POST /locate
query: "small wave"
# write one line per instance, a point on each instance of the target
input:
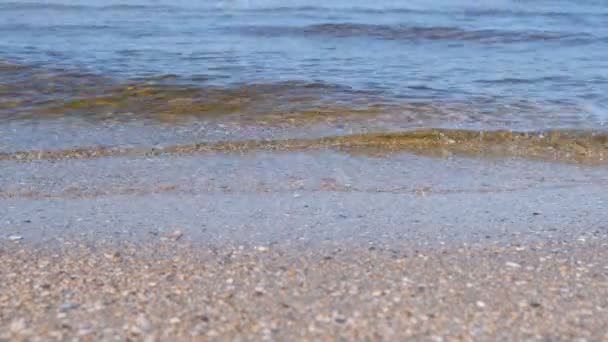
(128, 7)
(42, 93)
(517, 80)
(403, 32)
(466, 11)
(18, 6)
(70, 28)
(46, 6)
(586, 147)
(469, 12)
(522, 13)
(38, 94)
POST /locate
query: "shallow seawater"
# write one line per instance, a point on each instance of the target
(81, 73)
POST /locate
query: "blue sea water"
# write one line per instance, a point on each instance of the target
(535, 64)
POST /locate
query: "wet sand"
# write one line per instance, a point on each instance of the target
(302, 245)
(301, 198)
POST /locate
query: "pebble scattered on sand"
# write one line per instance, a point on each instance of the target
(512, 264)
(15, 237)
(168, 290)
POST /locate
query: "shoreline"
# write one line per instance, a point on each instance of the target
(569, 146)
(309, 245)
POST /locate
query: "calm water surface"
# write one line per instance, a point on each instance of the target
(531, 65)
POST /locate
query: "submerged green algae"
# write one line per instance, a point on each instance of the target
(560, 146)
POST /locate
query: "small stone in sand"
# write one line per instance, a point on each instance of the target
(175, 235)
(68, 306)
(512, 264)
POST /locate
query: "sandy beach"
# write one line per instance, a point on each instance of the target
(317, 245)
(303, 170)
(174, 291)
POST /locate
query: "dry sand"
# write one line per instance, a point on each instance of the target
(169, 290)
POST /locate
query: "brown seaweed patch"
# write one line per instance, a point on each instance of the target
(327, 114)
(561, 146)
(248, 104)
(54, 93)
(154, 102)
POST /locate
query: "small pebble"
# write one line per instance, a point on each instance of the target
(176, 235)
(68, 306)
(15, 237)
(259, 291)
(512, 264)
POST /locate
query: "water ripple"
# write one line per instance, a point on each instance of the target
(404, 32)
